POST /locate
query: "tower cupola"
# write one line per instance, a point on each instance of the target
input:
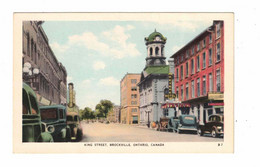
(155, 49)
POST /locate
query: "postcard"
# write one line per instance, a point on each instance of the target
(123, 83)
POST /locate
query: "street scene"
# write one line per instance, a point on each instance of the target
(123, 81)
(98, 132)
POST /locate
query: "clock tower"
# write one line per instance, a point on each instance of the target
(155, 49)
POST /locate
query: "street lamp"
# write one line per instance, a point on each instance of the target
(148, 118)
(29, 72)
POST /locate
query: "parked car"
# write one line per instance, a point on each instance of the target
(54, 118)
(183, 123)
(214, 126)
(173, 124)
(163, 124)
(73, 122)
(33, 130)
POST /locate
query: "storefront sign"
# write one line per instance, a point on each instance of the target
(216, 96)
(216, 104)
(173, 105)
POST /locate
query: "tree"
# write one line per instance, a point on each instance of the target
(85, 113)
(104, 107)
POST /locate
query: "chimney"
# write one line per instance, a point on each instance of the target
(71, 95)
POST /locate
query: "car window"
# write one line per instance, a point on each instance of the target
(33, 104)
(49, 114)
(188, 120)
(61, 113)
(26, 107)
(76, 118)
(69, 118)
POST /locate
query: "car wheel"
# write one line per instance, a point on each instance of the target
(200, 132)
(68, 135)
(214, 133)
(178, 131)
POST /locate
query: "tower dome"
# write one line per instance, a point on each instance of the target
(155, 37)
(155, 49)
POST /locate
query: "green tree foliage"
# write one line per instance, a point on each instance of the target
(103, 108)
(87, 113)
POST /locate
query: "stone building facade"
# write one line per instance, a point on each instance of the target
(129, 99)
(154, 80)
(50, 85)
(199, 73)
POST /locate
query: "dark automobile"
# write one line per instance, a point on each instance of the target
(73, 122)
(214, 126)
(54, 117)
(173, 124)
(33, 129)
(182, 123)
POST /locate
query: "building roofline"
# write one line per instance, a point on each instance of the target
(129, 74)
(207, 30)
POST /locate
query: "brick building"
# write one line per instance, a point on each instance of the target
(199, 73)
(129, 99)
(50, 83)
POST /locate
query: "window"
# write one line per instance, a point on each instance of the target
(218, 80)
(210, 57)
(181, 92)
(181, 72)
(26, 106)
(133, 81)
(192, 66)
(133, 96)
(187, 53)
(151, 51)
(198, 87)
(210, 83)
(187, 69)
(218, 52)
(198, 47)
(210, 38)
(204, 43)
(133, 102)
(177, 74)
(61, 113)
(182, 58)
(134, 109)
(166, 112)
(33, 104)
(198, 63)
(192, 89)
(192, 50)
(177, 92)
(187, 91)
(156, 51)
(178, 61)
(134, 89)
(218, 30)
(204, 60)
(204, 85)
(28, 44)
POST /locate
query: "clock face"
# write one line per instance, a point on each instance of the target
(157, 38)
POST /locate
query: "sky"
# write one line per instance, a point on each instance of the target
(98, 54)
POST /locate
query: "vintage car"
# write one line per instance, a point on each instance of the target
(183, 123)
(173, 124)
(163, 124)
(73, 122)
(54, 118)
(214, 126)
(33, 129)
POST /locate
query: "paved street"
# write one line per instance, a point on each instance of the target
(99, 132)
